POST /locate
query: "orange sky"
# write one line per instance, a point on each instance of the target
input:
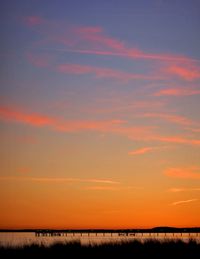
(99, 114)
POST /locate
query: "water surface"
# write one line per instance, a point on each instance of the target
(27, 238)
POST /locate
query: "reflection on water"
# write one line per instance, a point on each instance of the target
(27, 238)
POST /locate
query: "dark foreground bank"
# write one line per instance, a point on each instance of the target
(125, 249)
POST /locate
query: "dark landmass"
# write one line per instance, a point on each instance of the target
(151, 230)
(124, 249)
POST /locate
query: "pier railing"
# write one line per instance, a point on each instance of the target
(120, 233)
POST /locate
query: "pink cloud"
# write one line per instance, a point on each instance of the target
(112, 105)
(93, 40)
(119, 127)
(96, 42)
(75, 69)
(20, 116)
(139, 133)
(141, 151)
(101, 44)
(184, 173)
(58, 124)
(40, 120)
(136, 133)
(145, 150)
(131, 54)
(196, 130)
(177, 92)
(189, 73)
(178, 140)
(83, 125)
(102, 72)
(169, 117)
(96, 35)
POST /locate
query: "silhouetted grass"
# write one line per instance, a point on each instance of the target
(123, 249)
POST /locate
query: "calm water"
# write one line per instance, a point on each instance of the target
(20, 239)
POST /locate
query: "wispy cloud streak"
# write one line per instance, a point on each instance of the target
(183, 202)
(58, 180)
(141, 151)
(93, 40)
(119, 127)
(184, 173)
(99, 72)
(178, 140)
(129, 53)
(177, 92)
(184, 189)
(113, 126)
(112, 188)
(189, 72)
(20, 116)
(169, 117)
(102, 188)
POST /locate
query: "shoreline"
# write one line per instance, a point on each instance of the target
(121, 230)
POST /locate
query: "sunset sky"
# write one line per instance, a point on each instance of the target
(99, 113)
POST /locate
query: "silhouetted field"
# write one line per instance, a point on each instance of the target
(123, 249)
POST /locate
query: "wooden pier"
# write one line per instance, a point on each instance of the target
(139, 233)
